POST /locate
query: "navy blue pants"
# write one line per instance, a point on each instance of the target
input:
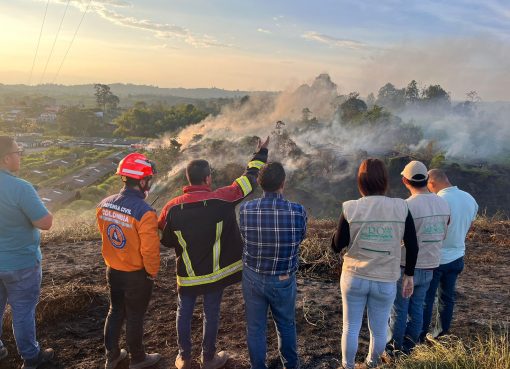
(443, 283)
(211, 322)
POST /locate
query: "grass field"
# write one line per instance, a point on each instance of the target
(74, 303)
(49, 166)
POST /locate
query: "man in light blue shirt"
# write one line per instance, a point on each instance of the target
(22, 214)
(463, 208)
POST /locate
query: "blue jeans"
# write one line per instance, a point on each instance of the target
(406, 319)
(21, 289)
(378, 297)
(443, 282)
(185, 307)
(263, 292)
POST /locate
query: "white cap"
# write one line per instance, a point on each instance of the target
(415, 171)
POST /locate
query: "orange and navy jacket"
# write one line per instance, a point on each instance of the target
(202, 226)
(129, 231)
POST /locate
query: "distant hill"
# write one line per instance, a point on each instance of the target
(124, 90)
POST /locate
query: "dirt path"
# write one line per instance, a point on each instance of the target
(74, 305)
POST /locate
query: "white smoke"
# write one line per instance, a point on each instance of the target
(483, 134)
(321, 142)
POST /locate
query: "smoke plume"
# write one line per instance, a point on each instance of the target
(313, 138)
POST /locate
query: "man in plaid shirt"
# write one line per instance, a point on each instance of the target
(272, 229)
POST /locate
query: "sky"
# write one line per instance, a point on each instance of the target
(462, 45)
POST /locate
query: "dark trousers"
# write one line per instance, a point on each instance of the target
(130, 293)
(443, 283)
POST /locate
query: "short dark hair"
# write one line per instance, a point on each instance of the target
(418, 184)
(372, 177)
(131, 182)
(197, 171)
(6, 144)
(271, 176)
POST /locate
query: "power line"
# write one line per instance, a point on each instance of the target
(54, 42)
(38, 42)
(72, 40)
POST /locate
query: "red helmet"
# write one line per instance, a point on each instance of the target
(136, 166)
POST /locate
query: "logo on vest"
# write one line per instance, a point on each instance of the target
(116, 236)
(376, 233)
(434, 228)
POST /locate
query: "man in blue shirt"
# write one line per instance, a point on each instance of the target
(272, 229)
(463, 209)
(22, 214)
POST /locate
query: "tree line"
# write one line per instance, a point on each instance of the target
(142, 120)
(107, 119)
(153, 120)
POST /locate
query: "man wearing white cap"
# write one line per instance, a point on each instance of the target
(463, 208)
(431, 215)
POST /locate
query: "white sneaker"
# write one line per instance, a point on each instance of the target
(150, 360)
(111, 364)
(218, 361)
(431, 337)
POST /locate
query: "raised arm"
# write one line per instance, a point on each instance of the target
(247, 182)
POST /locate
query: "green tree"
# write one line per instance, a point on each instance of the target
(153, 120)
(377, 115)
(437, 161)
(352, 107)
(412, 93)
(391, 97)
(469, 106)
(473, 97)
(74, 121)
(140, 105)
(370, 100)
(105, 98)
(435, 94)
(112, 101)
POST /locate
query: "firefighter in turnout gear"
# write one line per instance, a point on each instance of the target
(201, 225)
(130, 248)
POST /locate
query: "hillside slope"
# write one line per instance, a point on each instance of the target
(74, 301)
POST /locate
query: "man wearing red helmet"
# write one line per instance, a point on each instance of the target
(130, 248)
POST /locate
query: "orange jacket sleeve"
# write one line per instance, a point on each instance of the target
(149, 242)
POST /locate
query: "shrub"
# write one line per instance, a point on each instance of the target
(93, 194)
(449, 352)
(437, 161)
(81, 205)
(71, 226)
(104, 187)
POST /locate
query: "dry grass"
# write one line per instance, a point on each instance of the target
(488, 240)
(449, 352)
(491, 230)
(71, 231)
(316, 256)
(62, 302)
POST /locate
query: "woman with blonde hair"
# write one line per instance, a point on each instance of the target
(372, 228)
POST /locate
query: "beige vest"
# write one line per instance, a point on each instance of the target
(376, 226)
(430, 213)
